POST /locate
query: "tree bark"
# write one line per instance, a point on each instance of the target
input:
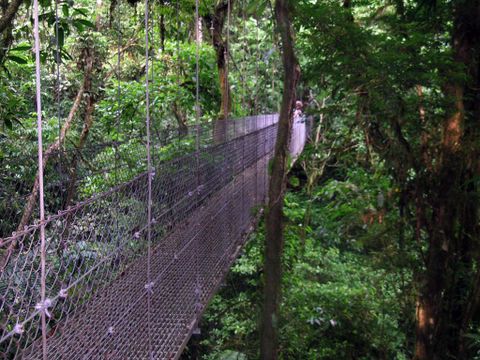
(181, 119)
(217, 22)
(9, 14)
(273, 218)
(6, 36)
(87, 125)
(446, 300)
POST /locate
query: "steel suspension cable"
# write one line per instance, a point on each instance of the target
(43, 305)
(243, 98)
(257, 89)
(227, 63)
(119, 94)
(197, 70)
(149, 284)
(273, 58)
(152, 81)
(244, 60)
(178, 92)
(197, 149)
(58, 92)
(177, 7)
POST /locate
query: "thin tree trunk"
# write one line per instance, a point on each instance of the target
(162, 32)
(181, 119)
(161, 26)
(91, 99)
(33, 197)
(9, 14)
(88, 122)
(274, 227)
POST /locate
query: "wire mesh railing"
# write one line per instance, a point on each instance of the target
(74, 174)
(96, 262)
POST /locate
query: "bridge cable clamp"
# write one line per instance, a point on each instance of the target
(43, 306)
(63, 293)
(18, 329)
(149, 287)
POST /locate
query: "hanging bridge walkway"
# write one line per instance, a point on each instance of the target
(110, 292)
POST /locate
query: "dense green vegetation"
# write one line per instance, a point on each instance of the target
(111, 94)
(345, 291)
(382, 233)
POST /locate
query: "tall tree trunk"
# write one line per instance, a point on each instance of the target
(161, 26)
(274, 227)
(446, 301)
(217, 22)
(221, 51)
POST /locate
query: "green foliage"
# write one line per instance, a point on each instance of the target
(337, 302)
(349, 256)
(102, 30)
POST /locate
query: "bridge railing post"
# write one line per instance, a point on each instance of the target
(265, 159)
(243, 173)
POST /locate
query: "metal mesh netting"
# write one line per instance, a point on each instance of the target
(96, 167)
(100, 301)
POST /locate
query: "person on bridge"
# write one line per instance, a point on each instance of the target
(298, 113)
(298, 138)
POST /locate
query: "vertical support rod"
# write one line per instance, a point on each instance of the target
(149, 285)
(245, 47)
(257, 88)
(58, 99)
(178, 94)
(119, 94)
(257, 136)
(152, 70)
(243, 174)
(234, 220)
(266, 159)
(197, 150)
(40, 180)
(227, 67)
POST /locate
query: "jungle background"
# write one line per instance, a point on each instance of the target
(381, 214)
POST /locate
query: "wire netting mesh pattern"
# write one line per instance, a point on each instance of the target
(95, 165)
(96, 253)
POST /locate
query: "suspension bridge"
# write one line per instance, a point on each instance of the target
(110, 293)
(126, 272)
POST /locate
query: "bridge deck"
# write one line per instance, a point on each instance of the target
(98, 272)
(114, 324)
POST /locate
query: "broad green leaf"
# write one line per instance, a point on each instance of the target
(81, 11)
(66, 10)
(21, 48)
(17, 59)
(61, 37)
